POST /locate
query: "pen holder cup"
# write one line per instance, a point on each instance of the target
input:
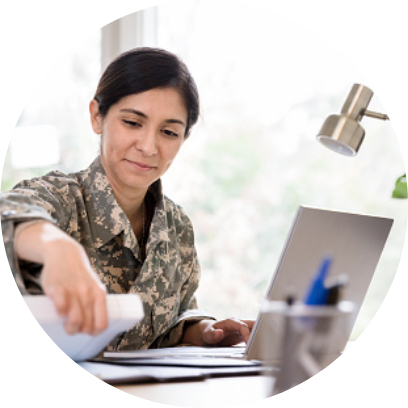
(303, 340)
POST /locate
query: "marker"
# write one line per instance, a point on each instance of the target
(290, 300)
(318, 294)
(335, 290)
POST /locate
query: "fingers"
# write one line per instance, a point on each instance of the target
(85, 312)
(86, 300)
(74, 322)
(91, 306)
(67, 306)
(234, 326)
(212, 336)
(77, 292)
(88, 314)
(228, 332)
(100, 313)
(60, 299)
(249, 323)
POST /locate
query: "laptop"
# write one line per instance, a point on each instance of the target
(354, 242)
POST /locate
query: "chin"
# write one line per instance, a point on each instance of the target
(138, 184)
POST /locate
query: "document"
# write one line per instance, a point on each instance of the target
(179, 351)
(124, 311)
(182, 356)
(113, 373)
(185, 361)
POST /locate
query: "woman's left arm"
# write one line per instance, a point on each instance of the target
(187, 307)
(194, 326)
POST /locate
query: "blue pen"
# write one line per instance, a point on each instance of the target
(318, 293)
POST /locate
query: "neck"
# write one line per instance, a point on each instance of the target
(131, 204)
(129, 199)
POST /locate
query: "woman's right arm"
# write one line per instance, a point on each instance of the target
(67, 276)
(35, 216)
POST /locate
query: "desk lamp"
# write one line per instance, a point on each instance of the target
(343, 133)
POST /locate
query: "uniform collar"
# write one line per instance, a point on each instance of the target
(108, 219)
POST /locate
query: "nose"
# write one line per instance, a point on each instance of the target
(146, 143)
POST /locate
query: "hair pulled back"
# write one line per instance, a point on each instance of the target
(143, 69)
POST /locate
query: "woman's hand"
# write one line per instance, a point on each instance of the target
(67, 276)
(226, 332)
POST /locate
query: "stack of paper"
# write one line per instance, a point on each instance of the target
(124, 311)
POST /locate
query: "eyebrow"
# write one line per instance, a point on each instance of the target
(143, 115)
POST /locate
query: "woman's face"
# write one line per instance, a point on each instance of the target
(140, 136)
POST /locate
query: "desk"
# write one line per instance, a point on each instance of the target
(385, 380)
(206, 383)
(215, 392)
(351, 379)
(385, 377)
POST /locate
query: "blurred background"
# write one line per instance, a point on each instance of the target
(266, 86)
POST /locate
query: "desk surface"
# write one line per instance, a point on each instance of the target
(215, 392)
(246, 390)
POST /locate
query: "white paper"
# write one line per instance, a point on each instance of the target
(124, 311)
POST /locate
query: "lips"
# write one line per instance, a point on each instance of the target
(140, 165)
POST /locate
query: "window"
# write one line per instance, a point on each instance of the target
(266, 87)
(54, 129)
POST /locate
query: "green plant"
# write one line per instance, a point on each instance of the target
(400, 189)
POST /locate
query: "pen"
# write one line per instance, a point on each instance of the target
(290, 300)
(333, 295)
(318, 293)
(335, 290)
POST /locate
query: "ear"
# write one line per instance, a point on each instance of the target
(96, 117)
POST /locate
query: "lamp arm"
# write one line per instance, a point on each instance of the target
(375, 115)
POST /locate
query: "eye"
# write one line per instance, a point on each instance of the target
(131, 123)
(170, 133)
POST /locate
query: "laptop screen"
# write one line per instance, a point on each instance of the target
(353, 241)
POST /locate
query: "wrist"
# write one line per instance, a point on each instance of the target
(38, 240)
(26, 240)
(59, 245)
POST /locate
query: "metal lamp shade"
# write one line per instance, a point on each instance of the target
(342, 134)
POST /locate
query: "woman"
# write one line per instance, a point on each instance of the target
(109, 228)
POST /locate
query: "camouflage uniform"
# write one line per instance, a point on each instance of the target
(83, 205)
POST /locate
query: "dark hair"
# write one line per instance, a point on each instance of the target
(142, 69)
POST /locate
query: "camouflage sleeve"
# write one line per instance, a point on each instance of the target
(188, 308)
(30, 200)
